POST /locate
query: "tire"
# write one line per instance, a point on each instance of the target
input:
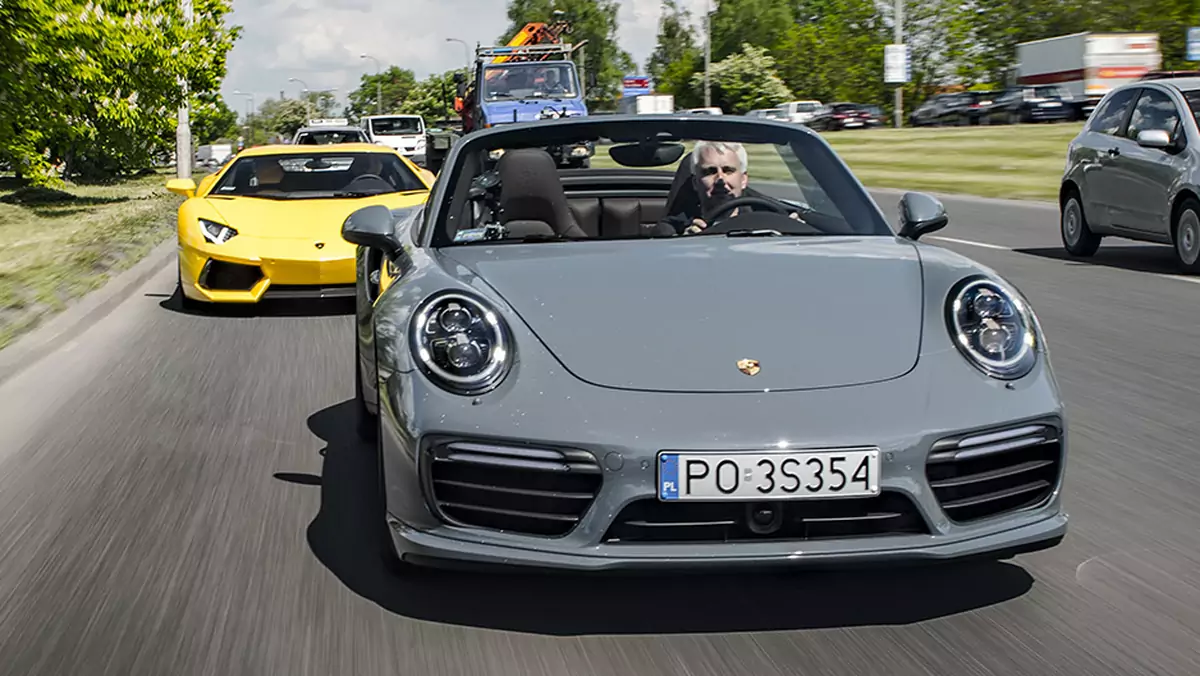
(1077, 238)
(365, 422)
(1186, 231)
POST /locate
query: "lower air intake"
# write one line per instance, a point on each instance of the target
(221, 276)
(517, 489)
(987, 474)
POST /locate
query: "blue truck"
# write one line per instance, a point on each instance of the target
(526, 83)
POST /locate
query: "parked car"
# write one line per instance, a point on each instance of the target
(1037, 103)
(1134, 171)
(969, 108)
(839, 116)
(934, 111)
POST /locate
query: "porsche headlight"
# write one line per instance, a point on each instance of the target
(216, 233)
(461, 343)
(993, 328)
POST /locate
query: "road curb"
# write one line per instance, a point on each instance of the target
(33, 346)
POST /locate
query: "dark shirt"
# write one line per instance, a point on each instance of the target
(676, 223)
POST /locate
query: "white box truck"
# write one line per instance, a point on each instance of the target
(1088, 65)
(646, 104)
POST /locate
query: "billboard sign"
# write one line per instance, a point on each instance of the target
(635, 85)
(897, 67)
(1193, 44)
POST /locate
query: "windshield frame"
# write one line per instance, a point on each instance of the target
(850, 196)
(569, 67)
(229, 172)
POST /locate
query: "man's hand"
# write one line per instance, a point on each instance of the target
(697, 225)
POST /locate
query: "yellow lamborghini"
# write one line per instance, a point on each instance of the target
(268, 223)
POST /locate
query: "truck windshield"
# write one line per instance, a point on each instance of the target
(395, 126)
(535, 80)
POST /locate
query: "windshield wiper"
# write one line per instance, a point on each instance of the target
(356, 193)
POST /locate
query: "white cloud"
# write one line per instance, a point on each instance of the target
(319, 41)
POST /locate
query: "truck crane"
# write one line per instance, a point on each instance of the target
(533, 77)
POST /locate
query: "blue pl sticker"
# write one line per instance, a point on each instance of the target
(668, 476)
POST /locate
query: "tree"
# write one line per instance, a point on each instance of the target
(591, 20)
(211, 119)
(676, 47)
(432, 98)
(745, 81)
(763, 23)
(283, 116)
(396, 83)
(96, 84)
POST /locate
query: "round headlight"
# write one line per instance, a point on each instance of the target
(461, 343)
(993, 328)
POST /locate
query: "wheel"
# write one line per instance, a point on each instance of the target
(1078, 239)
(366, 423)
(1187, 236)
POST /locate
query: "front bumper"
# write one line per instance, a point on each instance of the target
(264, 269)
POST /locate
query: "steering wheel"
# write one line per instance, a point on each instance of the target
(722, 209)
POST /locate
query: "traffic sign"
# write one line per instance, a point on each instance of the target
(897, 67)
(635, 85)
(1193, 44)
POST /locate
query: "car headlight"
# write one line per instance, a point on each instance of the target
(461, 343)
(216, 233)
(992, 327)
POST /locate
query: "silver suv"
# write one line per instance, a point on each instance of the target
(1134, 171)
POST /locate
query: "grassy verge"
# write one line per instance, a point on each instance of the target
(1016, 162)
(58, 245)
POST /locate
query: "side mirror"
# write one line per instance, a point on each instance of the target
(372, 227)
(182, 186)
(459, 78)
(921, 214)
(1154, 138)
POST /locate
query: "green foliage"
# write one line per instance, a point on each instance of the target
(284, 116)
(763, 23)
(742, 82)
(432, 98)
(96, 84)
(591, 20)
(676, 56)
(211, 119)
(393, 86)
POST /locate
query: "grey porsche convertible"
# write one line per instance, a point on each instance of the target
(709, 349)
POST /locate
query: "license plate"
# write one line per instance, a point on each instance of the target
(854, 124)
(1055, 104)
(791, 475)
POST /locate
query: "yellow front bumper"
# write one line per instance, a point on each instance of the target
(246, 272)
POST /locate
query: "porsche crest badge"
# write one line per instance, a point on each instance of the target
(749, 366)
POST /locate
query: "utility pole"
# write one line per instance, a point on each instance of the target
(708, 50)
(899, 38)
(183, 129)
(378, 84)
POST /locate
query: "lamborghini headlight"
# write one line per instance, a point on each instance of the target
(461, 343)
(993, 328)
(216, 233)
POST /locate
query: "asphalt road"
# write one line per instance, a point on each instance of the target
(184, 495)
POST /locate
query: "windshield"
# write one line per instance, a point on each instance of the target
(395, 126)
(1045, 92)
(536, 80)
(327, 136)
(524, 192)
(317, 175)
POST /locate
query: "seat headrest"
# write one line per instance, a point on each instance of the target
(531, 190)
(683, 197)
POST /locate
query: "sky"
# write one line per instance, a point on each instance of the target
(320, 41)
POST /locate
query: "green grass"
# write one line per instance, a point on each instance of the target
(1016, 162)
(58, 245)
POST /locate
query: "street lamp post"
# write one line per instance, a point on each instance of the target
(183, 128)
(707, 50)
(249, 115)
(304, 91)
(378, 84)
(899, 39)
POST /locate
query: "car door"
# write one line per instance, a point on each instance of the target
(1095, 151)
(1144, 176)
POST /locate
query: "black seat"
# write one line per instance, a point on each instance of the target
(531, 193)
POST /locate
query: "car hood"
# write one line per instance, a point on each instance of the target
(672, 316)
(300, 218)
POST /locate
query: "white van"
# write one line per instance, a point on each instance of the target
(405, 133)
(800, 112)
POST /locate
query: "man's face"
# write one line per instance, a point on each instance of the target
(723, 166)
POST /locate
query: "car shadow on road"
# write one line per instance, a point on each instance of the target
(289, 307)
(345, 537)
(1158, 259)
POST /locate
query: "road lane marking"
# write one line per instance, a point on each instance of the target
(970, 243)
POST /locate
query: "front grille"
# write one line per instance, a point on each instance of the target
(520, 489)
(986, 474)
(652, 520)
(221, 276)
